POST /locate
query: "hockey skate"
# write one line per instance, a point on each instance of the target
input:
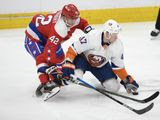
(47, 90)
(39, 90)
(155, 34)
(50, 90)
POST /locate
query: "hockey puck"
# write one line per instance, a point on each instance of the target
(135, 93)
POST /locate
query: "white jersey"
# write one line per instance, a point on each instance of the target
(91, 45)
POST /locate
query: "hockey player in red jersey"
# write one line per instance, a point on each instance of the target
(44, 36)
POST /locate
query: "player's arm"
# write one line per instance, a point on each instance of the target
(127, 80)
(117, 60)
(118, 68)
(76, 48)
(30, 30)
(84, 26)
(35, 30)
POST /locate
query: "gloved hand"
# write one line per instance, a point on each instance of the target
(68, 69)
(55, 74)
(54, 70)
(130, 85)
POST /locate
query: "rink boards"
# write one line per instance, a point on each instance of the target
(99, 16)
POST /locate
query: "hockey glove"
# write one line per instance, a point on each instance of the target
(55, 74)
(68, 69)
(54, 70)
(130, 85)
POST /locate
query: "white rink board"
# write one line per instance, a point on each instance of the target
(25, 6)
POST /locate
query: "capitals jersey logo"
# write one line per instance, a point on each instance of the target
(96, 60)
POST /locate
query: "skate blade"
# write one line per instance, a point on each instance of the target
(50, 94)
(156, 38)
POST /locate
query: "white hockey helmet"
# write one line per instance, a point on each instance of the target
(111, 26)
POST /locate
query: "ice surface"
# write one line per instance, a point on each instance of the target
(18, 81)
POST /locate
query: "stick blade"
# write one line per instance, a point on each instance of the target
(144, 110)
(151, 97)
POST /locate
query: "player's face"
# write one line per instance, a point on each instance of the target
(110, 38)
(113, 37)
(70, 22)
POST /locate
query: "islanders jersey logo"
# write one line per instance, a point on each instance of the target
(96, 60)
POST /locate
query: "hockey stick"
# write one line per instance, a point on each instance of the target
(148, 99)
(77, 80)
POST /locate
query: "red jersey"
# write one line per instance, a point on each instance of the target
(51, 30)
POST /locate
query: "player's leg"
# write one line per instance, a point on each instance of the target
(81, 66)
(111, 84)
(48, 76)
(48, 83)
(33, 48)
(156, 31)
(107, 78)
(79, 73)
(46, 88)
(157, 26)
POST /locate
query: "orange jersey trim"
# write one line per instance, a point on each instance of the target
(121, 73)
(71, 54)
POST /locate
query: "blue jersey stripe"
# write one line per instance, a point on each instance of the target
(42, 69)
(34, 28)
(59, 51)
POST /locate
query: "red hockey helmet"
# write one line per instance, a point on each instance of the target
(70, 11)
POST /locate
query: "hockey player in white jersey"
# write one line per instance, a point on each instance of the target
(101, 53)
